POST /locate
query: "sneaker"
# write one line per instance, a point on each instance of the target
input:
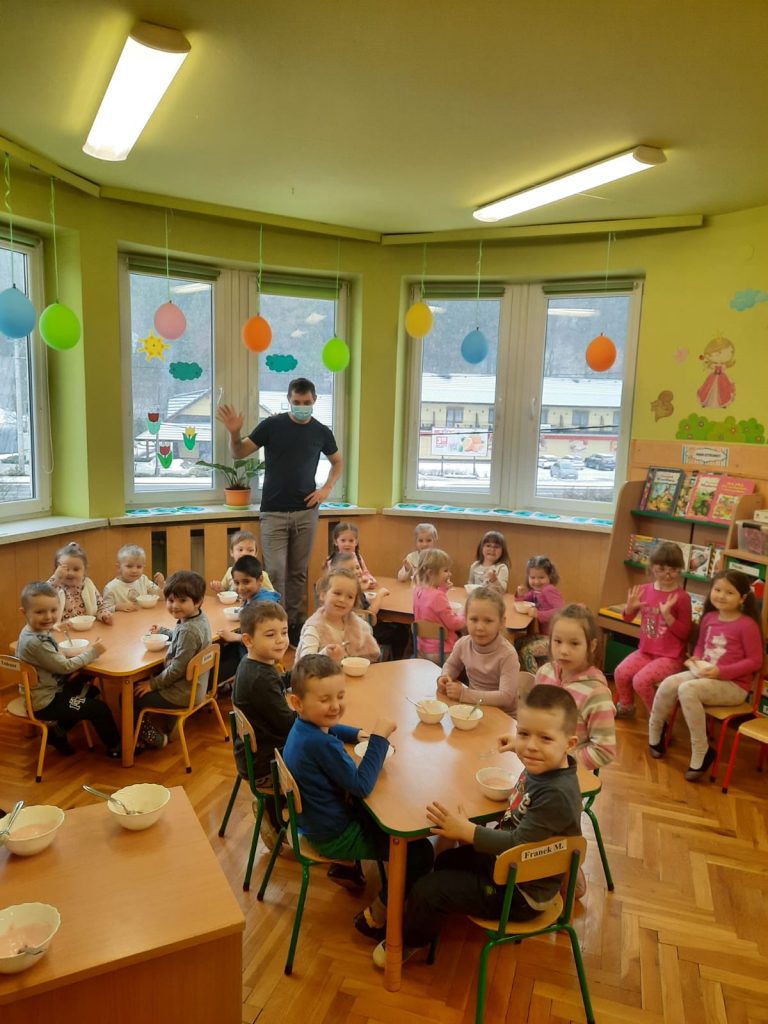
(694, 774)
(659, 749)
(268, 832)
(625, 710)
(150, 736)
(380, 954)
(366, 925)
(581, 886)
(348, 876)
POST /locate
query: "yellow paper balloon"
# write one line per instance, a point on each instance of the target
(418, 320)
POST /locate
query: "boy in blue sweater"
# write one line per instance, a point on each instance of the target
(327, 776)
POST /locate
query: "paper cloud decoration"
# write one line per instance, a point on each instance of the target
(747, 299)
(281, 364)
(185, 371)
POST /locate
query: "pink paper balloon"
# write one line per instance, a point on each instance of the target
(170, 322)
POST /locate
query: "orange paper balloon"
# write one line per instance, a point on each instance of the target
(601, 354)
(257, 334)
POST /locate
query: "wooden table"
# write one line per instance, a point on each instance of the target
(150, 929)
(398, 605)
(431, 762)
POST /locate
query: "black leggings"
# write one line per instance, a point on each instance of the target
(79, 701)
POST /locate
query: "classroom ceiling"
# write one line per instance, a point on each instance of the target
(403, 115)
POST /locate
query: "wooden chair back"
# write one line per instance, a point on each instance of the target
(205, 663)
(539, 860)
(366, 616)
(526, 682)
(288, 786)
(24, 675)
(242, 729)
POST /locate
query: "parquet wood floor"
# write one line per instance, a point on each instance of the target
(682, 940)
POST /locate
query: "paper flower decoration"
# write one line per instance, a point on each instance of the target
(165, 455)
(189, 438)
(153, 422)
(153, 347)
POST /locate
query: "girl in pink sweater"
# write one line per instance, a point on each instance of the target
(431, 604)
(665, 625)
(335, 629)
(541, 592)
(487, 657)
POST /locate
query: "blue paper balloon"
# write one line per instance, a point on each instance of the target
(17, 314)
(474, 348)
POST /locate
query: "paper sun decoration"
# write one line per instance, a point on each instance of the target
(153, 347)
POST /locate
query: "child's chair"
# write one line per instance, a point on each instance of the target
(755, 728)
(25, 675)
(303, 851)
(589, 787)
(206, 661)
(424, 630)
(240, 726)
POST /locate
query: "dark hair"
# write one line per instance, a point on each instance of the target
(741, 582)
(240, 535)
(38, 589)
(312, 666)
(300, 386)
(487, 594)
(185, 584)
(72, 550)
(585, 618)
(249, 565)
(256, 612)
(325, 581)
(340, 528)
(496, 538)
(553, 698)
(546, 565)
(667, 553)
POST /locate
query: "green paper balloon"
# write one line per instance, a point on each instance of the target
(336, 355)
(59, 327)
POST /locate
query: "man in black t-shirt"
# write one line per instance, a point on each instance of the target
(293, 442)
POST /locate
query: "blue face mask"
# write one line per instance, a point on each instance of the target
(301, 412)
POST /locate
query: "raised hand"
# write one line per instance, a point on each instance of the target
(666, 606)
(231, 419)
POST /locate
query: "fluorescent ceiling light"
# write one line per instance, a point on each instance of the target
(638, 159)
(563, 311)
(150, 59)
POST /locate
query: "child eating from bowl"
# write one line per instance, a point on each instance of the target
(76, 592)
(241, 543)
(121, 592)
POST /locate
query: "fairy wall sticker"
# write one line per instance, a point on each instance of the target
(718, 390)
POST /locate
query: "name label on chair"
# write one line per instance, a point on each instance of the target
(545, 851)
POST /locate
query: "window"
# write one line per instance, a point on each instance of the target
(531, 403)
(25, 441)
(175, 386)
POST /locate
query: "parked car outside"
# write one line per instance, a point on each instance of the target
(565, 469)
(600, 460)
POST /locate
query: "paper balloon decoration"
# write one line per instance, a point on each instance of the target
(418, 320)
(600, 354)
(474, 348)
(59, 327)
(170, 322)
(17, 314)
(257, 334)
(336, 355)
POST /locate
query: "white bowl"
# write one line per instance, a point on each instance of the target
(361, 748)
(495, 783)
(524, 607)
(370, 594)
(227, 596)
(155, 641)
(33, 924)
(431, 711)
(43, 819)
(232, 613)
(147, 600)
(81, 622)
(71, 648)
(466, 716)
(147, 797)
(469, 587)
(457, 606)
(355, 666)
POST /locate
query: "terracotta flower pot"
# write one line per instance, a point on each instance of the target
(241, 497)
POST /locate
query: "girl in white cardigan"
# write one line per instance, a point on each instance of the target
(77, 593)
(335, 629)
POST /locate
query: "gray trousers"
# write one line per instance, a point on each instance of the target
(286, 541)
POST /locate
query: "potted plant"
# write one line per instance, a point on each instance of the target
(238, 476)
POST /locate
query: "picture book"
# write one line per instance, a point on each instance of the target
(686, 550)
(646, 487)
(697, 606)
(662, 496)
(729, 490)
(685, 492)
(640, 548)
(702, 495)
(699, 559)
(716, 559)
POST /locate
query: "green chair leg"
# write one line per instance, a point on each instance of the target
(254, 844)
(270, 865)
(600, 845)
(482, 982)
(230, 805)
(297, 919)
(582, 976)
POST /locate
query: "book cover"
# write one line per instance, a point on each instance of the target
(646, 487)
(640, 548)
(699, 559)
(702, 495)
(729, 490)
(715, 560)
(686, 550)
(662, 495)
(685, 492)
(697, 606)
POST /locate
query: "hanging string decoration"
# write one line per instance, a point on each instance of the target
(169, 320)
(601, 351)
(474, 347)
(256, 332)
(17, 314)
(59, 326)
(418, 318)
(336, 354)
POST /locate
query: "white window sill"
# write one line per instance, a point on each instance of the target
(520, 517)
(182, 513)
(46, 526)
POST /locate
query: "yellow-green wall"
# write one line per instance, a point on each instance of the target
(690, 275)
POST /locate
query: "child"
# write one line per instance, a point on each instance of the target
(248, 580)
(335, 629)
(337, 826)
(184, 592)
(394, 634)
(546, 802)
(541, 591)
(665, 624)
(130, 582)
(431, 604)
(57, 698)
(573, 641)
(425, 537)
(242, 543)
(491, 565)
(260, 694)
(345, 537)
(728, 652)
(487, 657)
(77, 594)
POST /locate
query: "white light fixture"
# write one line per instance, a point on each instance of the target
(638, 159)
(150, 59)
(563, 311)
